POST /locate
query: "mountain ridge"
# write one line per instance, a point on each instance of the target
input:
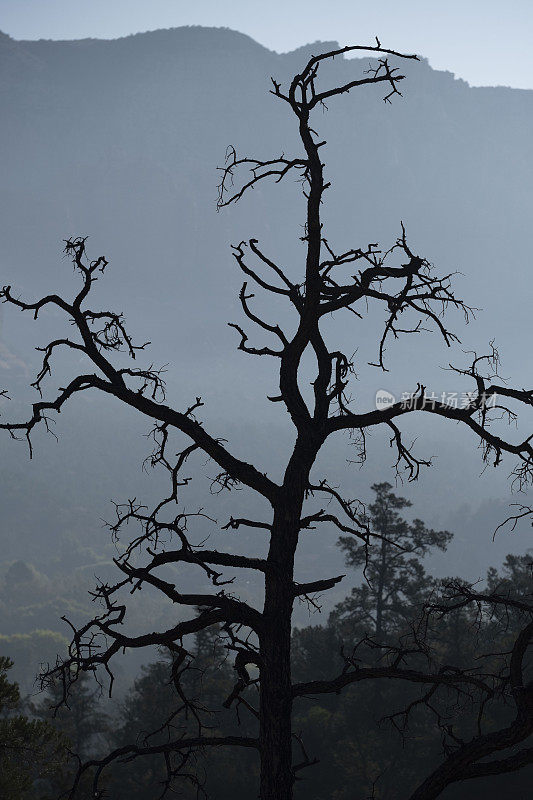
(169, 35)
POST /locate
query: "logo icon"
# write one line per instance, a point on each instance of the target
(384, 399)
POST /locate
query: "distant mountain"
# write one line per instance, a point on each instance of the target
(121, 140)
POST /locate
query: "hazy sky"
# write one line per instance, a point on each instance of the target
(487, 42)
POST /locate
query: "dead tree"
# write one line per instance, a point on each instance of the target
(405, 285)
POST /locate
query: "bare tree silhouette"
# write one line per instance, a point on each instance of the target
(405, 285)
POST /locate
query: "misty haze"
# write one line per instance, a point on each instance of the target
(137, 145)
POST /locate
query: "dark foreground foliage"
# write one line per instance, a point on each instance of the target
(377, 740)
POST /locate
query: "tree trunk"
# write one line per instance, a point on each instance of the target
(275, 707)
(379, 598)
(276, 696)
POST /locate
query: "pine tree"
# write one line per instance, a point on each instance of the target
(396, 582)
(156, 704)
(82, 721)
(30, 750)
